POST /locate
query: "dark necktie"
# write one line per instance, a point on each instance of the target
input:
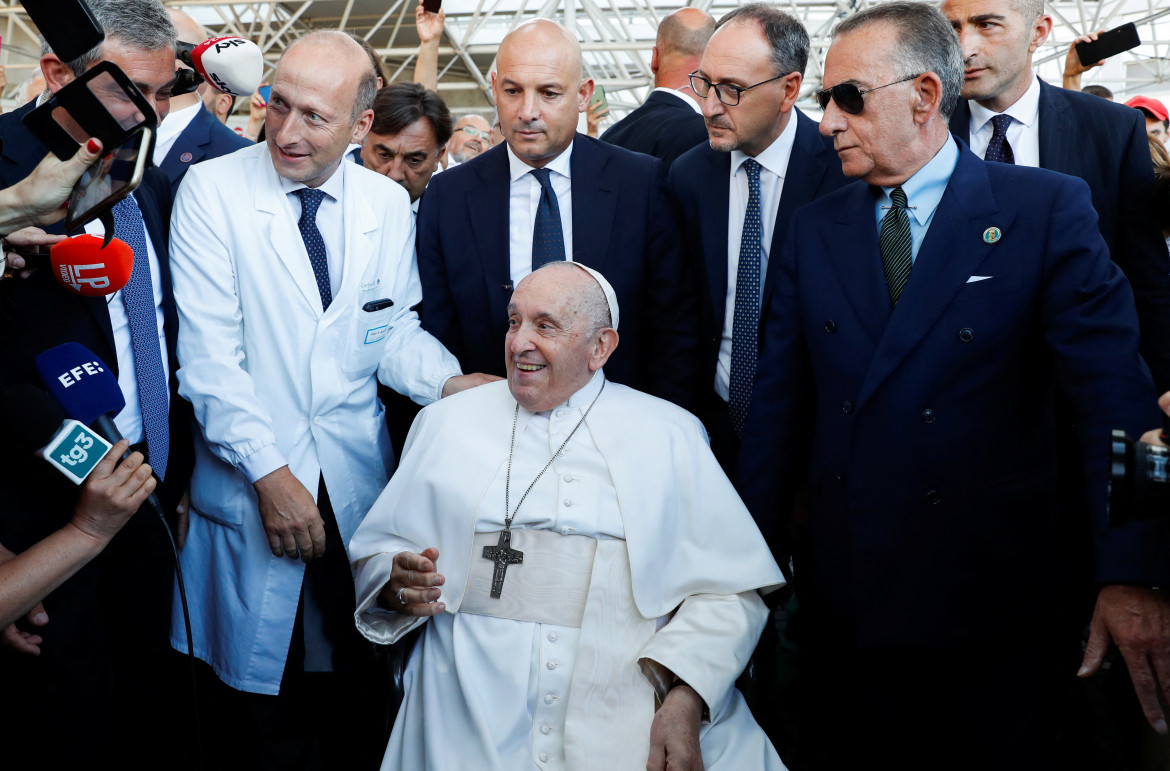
(548, 242)
(745, 325)
(314, 244)
(998, 148)
(895, 245)
(138, 298)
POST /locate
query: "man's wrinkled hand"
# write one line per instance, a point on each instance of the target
(290, 516)
(1138, 621)
(413, 588)
(462, 382)
(674, 734)
(24, 642)
(1072, 62)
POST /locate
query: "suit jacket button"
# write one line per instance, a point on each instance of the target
(966, 334)
(840, 480)
(830, 326)
(928, 415)
(933, 498)
(847, 406)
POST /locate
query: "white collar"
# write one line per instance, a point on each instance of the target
(518, 168)
(1024, 110)
(331, 187)
(685, 93)
(176, 122)
(775, 158)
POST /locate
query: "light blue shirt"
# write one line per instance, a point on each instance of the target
(923, 192)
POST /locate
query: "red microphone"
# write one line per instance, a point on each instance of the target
(81, 265)
(230, 63)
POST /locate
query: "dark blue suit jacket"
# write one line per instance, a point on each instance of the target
(664, 126)
(933, 512)
(205, 137)
(700, 180)
(1105, 144)
(624, 225)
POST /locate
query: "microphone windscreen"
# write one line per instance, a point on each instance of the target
(230, 63)
(80, 382)
(30, 415)
(81, 265)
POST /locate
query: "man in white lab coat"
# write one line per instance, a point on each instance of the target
(597, 596)
(295, 277)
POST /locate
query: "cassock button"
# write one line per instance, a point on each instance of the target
(928, 415)
(543, 757)
(830, 326)
(847, 406)
(552, 664)
(317, 421)
(568, 503)
(966, 334)
(560, 413)
(568, 477)
(546, 729)
(549, 698)
(553, 637)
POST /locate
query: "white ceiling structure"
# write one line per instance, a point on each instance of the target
(616, 35)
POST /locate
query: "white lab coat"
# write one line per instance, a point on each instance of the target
(267, 372)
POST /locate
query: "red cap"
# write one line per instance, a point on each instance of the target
(1150, 105)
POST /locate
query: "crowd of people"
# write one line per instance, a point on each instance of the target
(809, 422)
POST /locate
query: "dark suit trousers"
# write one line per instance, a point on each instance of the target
(319, 720)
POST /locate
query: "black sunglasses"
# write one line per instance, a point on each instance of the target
(849, 97)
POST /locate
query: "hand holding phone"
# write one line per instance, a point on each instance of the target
(1108, 43)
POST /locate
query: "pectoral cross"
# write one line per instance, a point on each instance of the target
(503, 555)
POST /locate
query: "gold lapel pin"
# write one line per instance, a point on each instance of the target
(991, 235)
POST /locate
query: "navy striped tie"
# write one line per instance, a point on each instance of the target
(895, 245)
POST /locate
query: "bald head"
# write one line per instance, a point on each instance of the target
(186, 28)
(465, 145)
(540, 90)
(682, 36)
(336, 52)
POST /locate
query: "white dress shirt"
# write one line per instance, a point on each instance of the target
(330, 220)
(129, 420)
(524, 197)
(174, 124)
(773, 166)
(686, 94)
(1023, 133)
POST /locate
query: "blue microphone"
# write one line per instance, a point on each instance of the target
(87, 391)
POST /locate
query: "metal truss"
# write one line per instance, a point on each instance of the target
(616, 35)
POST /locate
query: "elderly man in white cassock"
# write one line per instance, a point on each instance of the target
(589, 573)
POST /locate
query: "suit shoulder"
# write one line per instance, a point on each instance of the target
(228, 139)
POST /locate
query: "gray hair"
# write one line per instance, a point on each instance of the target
(786, 36)
(926, 43)
(678, 37)
(1029, 9)
(141, 24)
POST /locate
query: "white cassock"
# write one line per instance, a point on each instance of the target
(672, 564)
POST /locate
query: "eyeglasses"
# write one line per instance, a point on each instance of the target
(473, 131)
(726, 93)
(849, 97)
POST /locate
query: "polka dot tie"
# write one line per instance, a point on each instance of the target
(895, 245)
(745, 326)
(998, 148)
(314, 244)
(142, 314)
(548, 242)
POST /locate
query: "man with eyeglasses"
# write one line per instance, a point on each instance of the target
(921, 321)
(471, 137)
(670, 121)
(550, 194)
(737, 192)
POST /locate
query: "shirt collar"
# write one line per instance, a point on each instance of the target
(925, 189)
(176, 121)
(330, 187)
(1025, 110)
(685, 93)
(580, 400)
(775, 158)
(518, 168)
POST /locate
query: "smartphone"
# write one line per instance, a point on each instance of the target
(1109, 43)
(432, 6)
(115, 175)
(68, 25)
(599, 97)
(103, 103)
(265, 93)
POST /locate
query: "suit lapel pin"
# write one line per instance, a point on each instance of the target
(186, 157)
(991, 235)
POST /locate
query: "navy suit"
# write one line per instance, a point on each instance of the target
(205, 137)
(1105, 144)
(664, 126)
(927, 430)
(700, 180)
(124, 593)
(624, 225)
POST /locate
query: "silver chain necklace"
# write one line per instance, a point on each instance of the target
(502, 553)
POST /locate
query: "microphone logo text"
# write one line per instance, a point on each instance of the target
(77, 373)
